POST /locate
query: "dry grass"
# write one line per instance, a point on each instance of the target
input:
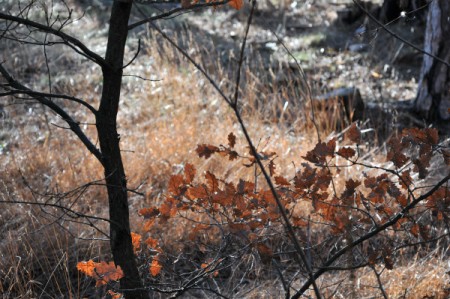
(424, 277)
(160, 124)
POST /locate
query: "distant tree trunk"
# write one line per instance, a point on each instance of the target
(433, 96)
(116, 182)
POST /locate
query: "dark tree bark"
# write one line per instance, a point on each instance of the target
(120, 237)
(433, 96)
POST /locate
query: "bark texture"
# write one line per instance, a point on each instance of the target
(121, 245)
(433, 96)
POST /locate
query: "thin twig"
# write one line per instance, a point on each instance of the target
(72, 41)
(241, 56)
(49, 95)
(58, 110)
(370, 235)
(305, 80)
(135, 55)
(380, 283)
(288, 226)
(393, 34)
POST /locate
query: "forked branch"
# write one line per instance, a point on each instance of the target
(71, 41)
(74, 125)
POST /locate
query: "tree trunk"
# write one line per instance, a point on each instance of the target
(120, 237)
(433, 96)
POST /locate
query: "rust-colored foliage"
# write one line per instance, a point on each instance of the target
(152, 243)
(236, 4)
(346, 152)
(114, 295)
(247, 209)
(205, 150)
(321, 151)
(281, 181)
(155, 267)
(102, 272)
(136, 241)
(149, 212)
(354, 134)
(189, 173)
(439, 202)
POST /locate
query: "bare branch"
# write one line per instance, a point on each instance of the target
(241, 56)
(393, 34)
(74, 126)
(370, 234)
(135, 55)
(49, 95)
(70, 40)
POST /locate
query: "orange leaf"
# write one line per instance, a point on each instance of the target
(232, 155)
(148, 224)
(196, 192)
(168, 208)
(353, 133)
(402, 200)
(321, 151)
(114, 295)
(297, 221)
(106, 272)
(175, 182)
(87, 267)
(155, 267)
(351, 184)
(206, 150)
(136, 240)
(236, 4)
(223, 198)
(323, 179)
(152, 243)
(102, 272)
(279, 180)
(189, 173)
(265, 252)
(405, 179)
(238, 227)
(212, 181)
(346, 152)
(149, 212)
(306, 178)
(245, 187)
(415, 230)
